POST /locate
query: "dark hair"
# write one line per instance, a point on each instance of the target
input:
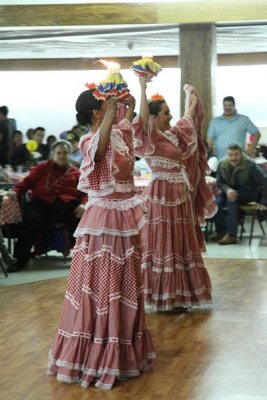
(4, 110)
(155, 106)
(39, 128)
(85, 105)
(15, 132)
(72, 136)
(234, 146)
(61, 142)
(51, 137)
(229, 98)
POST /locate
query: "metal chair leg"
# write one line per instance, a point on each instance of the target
(2, 266)
(260, 223)
(252, 228)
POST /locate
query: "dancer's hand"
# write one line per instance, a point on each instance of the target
(111, 103)
(130, 102)
(130, 111)
(143, 82)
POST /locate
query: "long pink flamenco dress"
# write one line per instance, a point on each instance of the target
(178, 201)
(102, 334)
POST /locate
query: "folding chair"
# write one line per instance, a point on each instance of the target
(250, 210)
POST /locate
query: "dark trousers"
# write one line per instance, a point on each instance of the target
(226, 221)
(37, 218)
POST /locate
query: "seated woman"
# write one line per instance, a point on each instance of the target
(54, 198)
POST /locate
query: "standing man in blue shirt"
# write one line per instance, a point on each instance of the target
(231, 127)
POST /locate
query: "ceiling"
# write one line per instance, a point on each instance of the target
(120, 41)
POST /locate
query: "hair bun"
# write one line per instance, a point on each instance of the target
(82, 118)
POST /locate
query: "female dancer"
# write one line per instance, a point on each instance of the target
(178, 200)
(102, 334)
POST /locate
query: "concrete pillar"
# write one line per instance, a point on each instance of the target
(198, 61)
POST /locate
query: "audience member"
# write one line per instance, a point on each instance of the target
(54, 198)
(79, 130)
(16, 142)
(241, 181)
(50, 140)
(231, 127)
(23, 156)
(6, 130)
(76, 154)
(29, 133)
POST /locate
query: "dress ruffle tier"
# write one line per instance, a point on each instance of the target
(173, 271)
(102, 334)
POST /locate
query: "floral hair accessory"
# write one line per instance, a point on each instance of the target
(91, 85)
(146, 67)
(156, 97)
(114, 85)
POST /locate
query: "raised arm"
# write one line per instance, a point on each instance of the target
(130, 110)
(193, 104)
(105, 128)
(144, 109)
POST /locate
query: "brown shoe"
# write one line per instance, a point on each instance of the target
(217, 236)
(228, 239)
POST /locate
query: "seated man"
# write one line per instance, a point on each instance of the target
(54, 198)
(241, 181)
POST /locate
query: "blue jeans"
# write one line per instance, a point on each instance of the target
(226, 221)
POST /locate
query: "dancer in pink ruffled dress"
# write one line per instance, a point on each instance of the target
(102, 334)
(178, 200)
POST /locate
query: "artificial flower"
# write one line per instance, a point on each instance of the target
(156, 97)
(31, 145)
(91, 85)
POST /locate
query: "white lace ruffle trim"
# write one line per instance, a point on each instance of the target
(112, 232)
(120, 205)
(99, 311)
(171, 177)
(162, 162)
(164, 202)
(171, 137)
(179, 177)
(143, 365)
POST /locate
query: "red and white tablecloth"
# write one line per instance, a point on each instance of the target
(10, 212)
(15, 177)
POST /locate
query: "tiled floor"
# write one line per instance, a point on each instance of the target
(257, 249)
